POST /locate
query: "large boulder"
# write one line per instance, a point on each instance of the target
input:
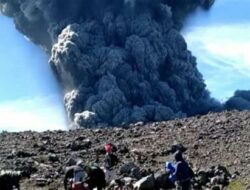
(126, 183)
(162, 180)
(9, 179)
(215, 177)
(131, 169)
(146, 183)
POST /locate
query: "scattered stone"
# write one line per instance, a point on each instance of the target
(23, 154)
(216, 187)
(127, 167)
(146, 183)
(138, 124)
(53, 158)
(41, 182)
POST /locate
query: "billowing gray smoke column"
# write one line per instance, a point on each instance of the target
(240, 101)
(120, 61)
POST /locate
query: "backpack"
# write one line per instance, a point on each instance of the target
(111, 160)
(79, 176)
(78, 186)
(78, 180)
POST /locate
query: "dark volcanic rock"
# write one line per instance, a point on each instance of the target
(23, 154)
(146, 183)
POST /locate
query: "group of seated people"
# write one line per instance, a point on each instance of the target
(86, 177)
(83, 177)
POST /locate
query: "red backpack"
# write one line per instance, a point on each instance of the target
(78, 186)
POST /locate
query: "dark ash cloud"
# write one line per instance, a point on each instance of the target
(119, 61)
(240, 101)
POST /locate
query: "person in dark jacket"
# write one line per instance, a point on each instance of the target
(84, 177)
(110, 162)
(75, 177)
(96, 177)
(183, 173)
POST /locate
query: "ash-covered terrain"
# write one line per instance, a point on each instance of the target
(211, 140)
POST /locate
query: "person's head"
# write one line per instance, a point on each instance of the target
(108, 148)
(178, 156)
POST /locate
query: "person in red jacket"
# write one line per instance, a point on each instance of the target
(110, 162)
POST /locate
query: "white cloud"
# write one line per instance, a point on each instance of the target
(36, 114)
(229, 42)
(223, 57)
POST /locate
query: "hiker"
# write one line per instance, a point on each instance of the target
(96, 177)
(183, 173)
(110, 162)
(75, 177)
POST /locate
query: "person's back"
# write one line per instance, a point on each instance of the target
(77, 177)
(96, 177)
(111, 160)
(183, 173)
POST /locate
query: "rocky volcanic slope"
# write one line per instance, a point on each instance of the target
(220, 138)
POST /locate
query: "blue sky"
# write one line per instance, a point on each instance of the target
(30, 97)
(220, 39)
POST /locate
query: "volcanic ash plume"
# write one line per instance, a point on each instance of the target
(119, 61)
(240, 101)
